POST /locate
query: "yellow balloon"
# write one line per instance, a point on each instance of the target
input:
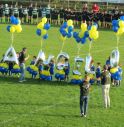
(81, 34)
(40, 25)
(121, 23)
(113, 70)
(69, 22)
(96, 35)
(93, 28)
(91, 34)
(84, 26)
(62, 38)
(44, 20)
(120, 31)
(12, 29)
(19, 28)
(43, 32)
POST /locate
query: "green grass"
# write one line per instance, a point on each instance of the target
(51, 104)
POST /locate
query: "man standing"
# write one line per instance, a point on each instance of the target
(22, 60)
(84, 92)
(105, 81)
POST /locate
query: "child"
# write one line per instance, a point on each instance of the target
(92, 69)
(67, 69)
(33, 60)
(51, 65)
(84, 92)
(10, 64)
(98, 73)
(40, 66)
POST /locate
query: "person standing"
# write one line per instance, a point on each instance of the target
(106, 81)
(1, 13)
(84, 92)
(22, 60)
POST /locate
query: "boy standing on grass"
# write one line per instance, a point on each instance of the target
(106, 81)
(84, 92)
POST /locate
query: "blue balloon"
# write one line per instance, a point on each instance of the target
(122, 18)
(86, 34)
(115, 28)
(75, 34)
(95, 24)
(64, 33)
(12, 19)
(8, 28)
(69, 35)
(45, 36)
(89, 27)
(78, 39)
(47, 26)
(64, 25)
(70, 29)
(61, 30)
(115, 22)
(83, 40)
(16, 22)
(38, 32)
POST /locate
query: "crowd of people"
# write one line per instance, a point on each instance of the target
(31, 14)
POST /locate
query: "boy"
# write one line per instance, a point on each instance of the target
(33, 61)
(84, 92)
(98, 73)
(67, 69)
(51, 65)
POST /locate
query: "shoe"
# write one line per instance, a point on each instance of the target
(82, 114)
(20, 81)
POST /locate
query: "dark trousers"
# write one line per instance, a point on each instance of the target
(83, 104)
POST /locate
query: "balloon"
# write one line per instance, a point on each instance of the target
(121, 23)
(44, 32)
(93, 28)
(61, 30)
(89, 28)
(113, 70)
(45, 36)
(44, 20)
(62, 38)
(16, 22)
(81, 34)
(83, 40)
(84, 26)
(122, 18)
(70, 29)
(115, 28)
(115, 22)
(95, 24)
(47, 26)
(120, 31)
(86, 34)
(69, 22)
(64, 33)
(12, 29)
(96, 35)
(78, 39)
(75, 34)
(40, 25)
(64, 25)
(38, 32)
(69, 35)
(12, 19)
(18, 28)
(8, 28)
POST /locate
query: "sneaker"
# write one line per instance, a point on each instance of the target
(20, 81)
(82, 114)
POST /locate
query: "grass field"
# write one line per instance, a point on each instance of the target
(52, 104)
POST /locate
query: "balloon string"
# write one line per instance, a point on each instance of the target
(118, 41)
(41, 43)
(62, 46)
(90, 46)
(12, 37)
(78, 46)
